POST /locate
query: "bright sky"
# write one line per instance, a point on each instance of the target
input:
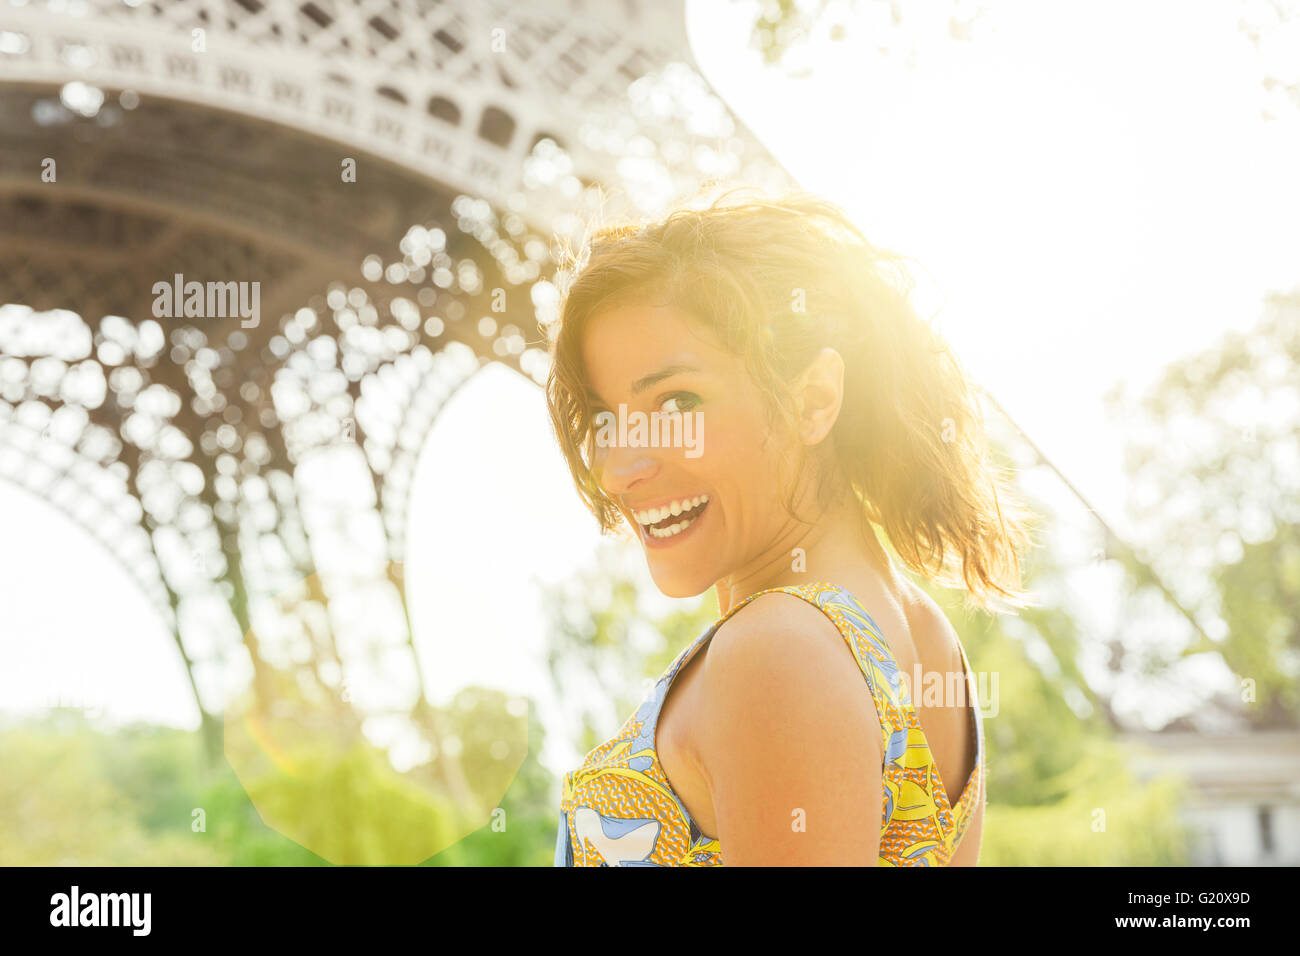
(1090, 184)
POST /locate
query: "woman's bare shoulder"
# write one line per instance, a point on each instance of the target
(775, 623)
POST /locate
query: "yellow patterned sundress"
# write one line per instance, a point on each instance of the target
(617, 808)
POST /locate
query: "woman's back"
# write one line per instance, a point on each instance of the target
(923, 639)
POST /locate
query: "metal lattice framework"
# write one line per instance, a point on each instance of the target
(207, 139)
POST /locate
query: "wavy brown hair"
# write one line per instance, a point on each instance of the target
(775, 281)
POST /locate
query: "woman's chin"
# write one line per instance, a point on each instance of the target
(678, 582)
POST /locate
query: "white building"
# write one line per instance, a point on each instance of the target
(1243, 800)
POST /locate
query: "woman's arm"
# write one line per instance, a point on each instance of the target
(789, 740)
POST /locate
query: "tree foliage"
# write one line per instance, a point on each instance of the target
(1214, 460)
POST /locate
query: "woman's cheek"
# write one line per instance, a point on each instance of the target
(720, 435)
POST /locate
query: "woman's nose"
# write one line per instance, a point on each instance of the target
(618, 470)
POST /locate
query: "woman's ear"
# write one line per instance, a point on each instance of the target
(820, 391)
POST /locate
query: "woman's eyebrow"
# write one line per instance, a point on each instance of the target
(641, 384)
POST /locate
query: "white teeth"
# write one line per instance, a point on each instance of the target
(668, 532)
(655, 515)
(674, 529)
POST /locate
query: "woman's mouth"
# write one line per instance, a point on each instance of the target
(671, 519)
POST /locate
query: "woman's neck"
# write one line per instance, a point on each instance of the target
(835, 548)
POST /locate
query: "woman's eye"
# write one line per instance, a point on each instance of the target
(681, 402)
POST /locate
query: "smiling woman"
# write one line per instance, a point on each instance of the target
(832, 410)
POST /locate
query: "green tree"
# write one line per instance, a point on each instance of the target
(1214, 460)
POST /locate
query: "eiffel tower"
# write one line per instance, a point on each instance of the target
(398, 177)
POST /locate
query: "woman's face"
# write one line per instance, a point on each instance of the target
(728, 488)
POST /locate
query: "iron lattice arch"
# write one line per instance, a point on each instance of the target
(201, 452)
(460, 92)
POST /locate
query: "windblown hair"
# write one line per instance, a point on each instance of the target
(776, 281)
